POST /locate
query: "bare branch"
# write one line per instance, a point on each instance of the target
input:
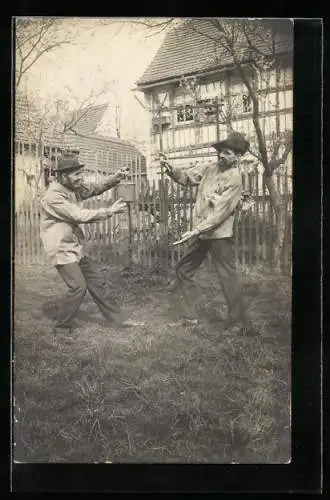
(42, 33)
(260, 34)
(21, 41)
(155, 27)
(162, 28)
(250, 44)
(228, 42)
(276, 149)
(20, 74)
(75, 119)
(82, 110)
(151, 24)
(34, 38)
(256, 155)
(47, 49)
(255, 112)
(276, 162)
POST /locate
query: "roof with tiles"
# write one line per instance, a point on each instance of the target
(93, 141)
(89, 118)
(192, 48)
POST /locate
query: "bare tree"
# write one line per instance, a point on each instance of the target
(153, 26)
(46, 123)
(36, 37)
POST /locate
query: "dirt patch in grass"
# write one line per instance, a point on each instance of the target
(157, 393)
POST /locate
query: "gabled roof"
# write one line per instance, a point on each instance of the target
(192, 48)
(89, 118)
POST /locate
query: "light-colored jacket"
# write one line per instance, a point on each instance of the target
(61, 215)
(218, 197)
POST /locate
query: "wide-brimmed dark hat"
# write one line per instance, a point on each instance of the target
(68, 164)
(234, 141)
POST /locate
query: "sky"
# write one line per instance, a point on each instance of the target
(116, 52)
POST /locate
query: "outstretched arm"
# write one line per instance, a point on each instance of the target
(64, 210)
(89, 189)
(189, 177)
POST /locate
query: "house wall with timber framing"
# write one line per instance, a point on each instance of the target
(185, 131)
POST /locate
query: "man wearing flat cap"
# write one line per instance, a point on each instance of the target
(219, 195)
(62, 238)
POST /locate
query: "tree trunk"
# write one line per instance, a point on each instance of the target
(278, 206)
(274, 194)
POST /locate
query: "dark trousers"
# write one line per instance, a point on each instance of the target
(80, 277)
(224, 264)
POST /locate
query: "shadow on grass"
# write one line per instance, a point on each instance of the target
(51, 308)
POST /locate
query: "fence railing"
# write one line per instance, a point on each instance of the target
(161, 213)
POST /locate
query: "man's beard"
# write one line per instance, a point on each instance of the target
(68, 183)
(227, 164)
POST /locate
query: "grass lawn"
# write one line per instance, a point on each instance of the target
(157, 393)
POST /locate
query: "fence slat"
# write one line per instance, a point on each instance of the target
(172, 222)
(17, 239)
(250, 215)
(160, 185)
(105, 245)
(30, 234)
(24, 238)
(149, 227)
(156, 252)
(143, 228)
(184, 201)
(110, 239)
(243, 227)
(36, 222)
(236, 238)
(178, 219)
(137, 231)
(191, 205)
(27, 234)
(257, 215)
(162, 208)
(38, 240)
(16, 242)
(264, 250)
(166, 225)
(287, 240)
(270, 225)
(98, 235)
(33, 232)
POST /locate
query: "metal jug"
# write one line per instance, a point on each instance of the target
(126, 191)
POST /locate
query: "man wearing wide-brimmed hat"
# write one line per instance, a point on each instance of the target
(62, 238)
(219, 195)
